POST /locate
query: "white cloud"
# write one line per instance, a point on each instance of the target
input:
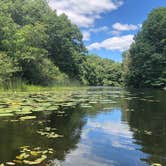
(124, 27)
(100, 29)
(84, 12)
(120, 43)
(116, 33)
(86, 35)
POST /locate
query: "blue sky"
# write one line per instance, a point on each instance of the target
(108, 26)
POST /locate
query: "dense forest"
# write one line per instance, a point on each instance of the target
(145, 62)
(39, 47)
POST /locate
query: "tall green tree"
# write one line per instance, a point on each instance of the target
(146, 58)
(47, 48)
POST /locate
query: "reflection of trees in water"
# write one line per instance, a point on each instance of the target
(17, 134)
(14, 135)
(70, 127)
(147, 116)
(148, 123)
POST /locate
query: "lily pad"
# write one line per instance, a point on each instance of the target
(10, 163)
(27, 118)
(7, 114)
(156, 164)
(36, 162)
(31, 156)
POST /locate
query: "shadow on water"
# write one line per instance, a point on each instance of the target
(148, 123)
(116, 127)
(17, 134)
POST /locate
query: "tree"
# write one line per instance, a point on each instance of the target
(7, 68)
(99, 71)
(146, 58)
(47, 48)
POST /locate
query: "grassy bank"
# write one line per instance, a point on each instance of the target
(21, 86)
(35, 88)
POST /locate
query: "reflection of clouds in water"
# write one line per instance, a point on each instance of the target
(113, 128)
(116, 133)
(82, 156)
(104, 139)
(118, 144)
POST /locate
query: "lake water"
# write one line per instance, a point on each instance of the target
(86, 127)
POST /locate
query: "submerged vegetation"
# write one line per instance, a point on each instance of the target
(22, 105)
(53, 123)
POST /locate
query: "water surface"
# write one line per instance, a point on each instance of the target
(97, 126)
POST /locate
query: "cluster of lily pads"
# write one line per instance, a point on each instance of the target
(24, 104)
(30, 156)
(146, 132)
(49, 133)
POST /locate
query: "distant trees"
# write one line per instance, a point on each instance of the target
(144, 63)
(39, 47)
(99, 71)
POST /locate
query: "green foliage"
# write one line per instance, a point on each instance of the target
(41, 48)
(145, 62)
(98, 71)
(7, 69)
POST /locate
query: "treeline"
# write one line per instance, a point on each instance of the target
(39, 47)
(144, 63)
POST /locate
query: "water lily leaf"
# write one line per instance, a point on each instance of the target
(148, 132)
(58, 164)
(23, 113)
(7, 114)
(10, 163)
(93, 102)
(37, 161)
(45, 152)
(22, 156)
(17, 161)
(48, 128)
(86, 106)
(156, 164)
(50, 152)
(14, 120)
(49, 134)
(24, 147)
(37, 148)
(38, 109)
(54, 135)
(61, 112)
(52, 108)
(35, 153)
(2, 164)
(28, 118)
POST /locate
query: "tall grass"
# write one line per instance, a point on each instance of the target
(18, 85)
(13, 85)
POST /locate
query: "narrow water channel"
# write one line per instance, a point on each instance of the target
(92, 127)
